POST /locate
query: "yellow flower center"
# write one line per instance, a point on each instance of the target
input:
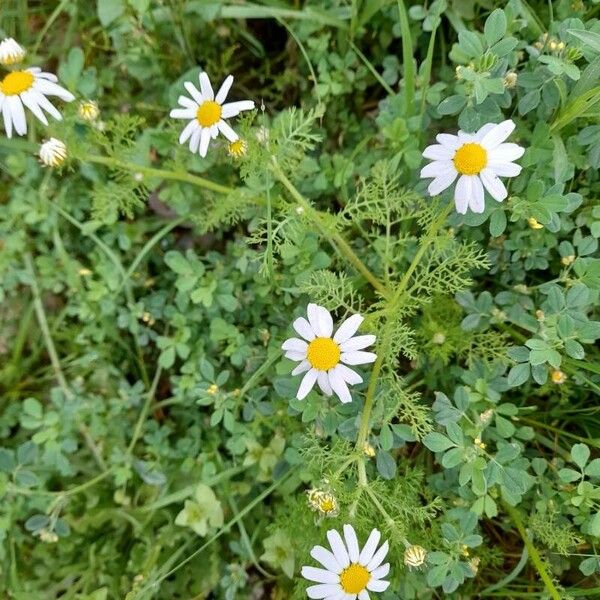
(209, 113)
(354, 578)
(16, 82)
(327, 503)
(470, 159)
(323, 353)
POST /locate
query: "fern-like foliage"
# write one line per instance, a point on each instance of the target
(333, 290)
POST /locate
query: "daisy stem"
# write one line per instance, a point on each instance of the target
(363, 430)
(534, 555)
(160, 173)
(335, 239)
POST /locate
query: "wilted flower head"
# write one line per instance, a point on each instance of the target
(53, 153)
(11, 53)
(325, 503)
(88, 110)
(237, 149)
(415, 556)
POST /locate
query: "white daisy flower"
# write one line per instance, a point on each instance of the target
(349, 571)
(206, 113)
(29, 88)
(324, 358)
(11, 53)
(479, 158)
(53, 153)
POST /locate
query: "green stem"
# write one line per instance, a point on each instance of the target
(137, 432)
(534, 555)
(183, 176)
(364, 426)
(336, 240)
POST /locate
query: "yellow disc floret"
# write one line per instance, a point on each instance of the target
(209, 113)
(16, 82)
(323, 354)
(470, 159)
(354, 579)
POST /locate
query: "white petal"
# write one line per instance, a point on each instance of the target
(301, 368)
(442, 182)
(358, 343)
(195, 139)
(369, 548)
(322, 590)
(339, 386)
(507, 152)
(465, 138)
(187, 102)
(194, 93)
(438, 152)
(227, 131)
(504, 169)
(493, 185)
(224, 90)
(356, 357)
(44, 103)
(307, 383)
(214, 132)
(327, 559)
(338, 548)
(233, 109)
(187, 131)
(204, 142)
(378, 557)
(182, 113)
(364, 595)
(323, 381)
(483, 131)
(294, 344)
(325, 321)
(319, 575)
(43, 74)
(348, 328)
(448, 140)
(50, 88)
(7, 116)
(312, 310)
(497, 134)
(18, 114)
(348, 375)
(462, 194)
(205, 87)
(477, 200)
(378, 585)
(437, 168)
(294, 355)
(381, 571)
(303, 328)
(351, 543)
(29, 100)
